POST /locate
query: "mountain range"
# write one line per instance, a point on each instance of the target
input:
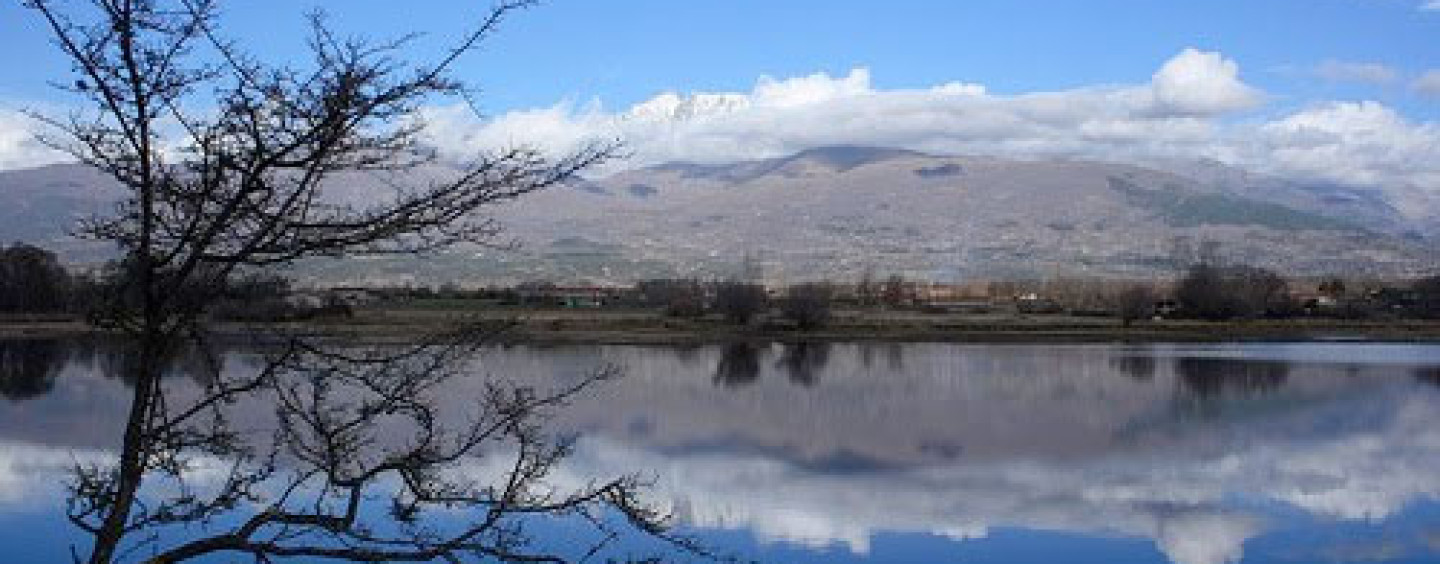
(833, 212)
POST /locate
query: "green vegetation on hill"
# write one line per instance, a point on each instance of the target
(1189, 209)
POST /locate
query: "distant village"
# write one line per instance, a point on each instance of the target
(1330, 297)
(32, 282)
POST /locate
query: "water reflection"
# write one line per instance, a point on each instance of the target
(804, 362)
(1137, 366)
(1211, 378)
(965, 441)
(739, 364)
(28, 368)
(894, 354)
(1429, 375)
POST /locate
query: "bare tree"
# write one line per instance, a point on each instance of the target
(1333, 287)
(679, 297)
(895, 292)
(1262, 291)
(1228, 292)
(868, 289)
(1135, 302)
(1427, 297)
(808, 305)
(739, 301)
(228, 165)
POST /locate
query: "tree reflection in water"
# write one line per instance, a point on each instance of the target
(28, 367)
(1140, 366)
(739, 365)
(894, 355)
(1212, 379)
(1148, 451)
(1429, 375)
(803, 362)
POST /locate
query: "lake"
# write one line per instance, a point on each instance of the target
(1183, 453)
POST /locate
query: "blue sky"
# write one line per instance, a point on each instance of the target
(1355, 70)
(623, 51)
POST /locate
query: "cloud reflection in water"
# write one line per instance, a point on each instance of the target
(1190, 447)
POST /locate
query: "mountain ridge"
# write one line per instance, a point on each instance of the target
(832, 211)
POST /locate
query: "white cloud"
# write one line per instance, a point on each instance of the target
(1199, 488)
(1361, 143)
(1429, 5)
(778, 116)
(1346, 71)
(1188, 110)
(1201, 83)
(1191, 108)
(18, 146)
(28, 472)
(1428, 84)
(757, 459)
(1178, 498)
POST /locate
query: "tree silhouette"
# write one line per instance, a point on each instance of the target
(808, 305)
(739, 301)
(31, 280)
(229, 167)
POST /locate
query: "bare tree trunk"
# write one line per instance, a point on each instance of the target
(248, 192)
(130, 475)
(134, 450)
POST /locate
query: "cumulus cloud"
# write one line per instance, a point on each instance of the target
(1194, 106)
(1191, 108)
(1360, 143)
(1200, 83)
(1346, 71)
(1428, 84)
(779, 116)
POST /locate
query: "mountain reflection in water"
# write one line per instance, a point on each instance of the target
(1210, 453)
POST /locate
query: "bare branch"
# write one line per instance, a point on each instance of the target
(249, 185)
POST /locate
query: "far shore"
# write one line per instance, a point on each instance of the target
(647, 327)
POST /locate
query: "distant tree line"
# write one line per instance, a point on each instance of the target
(804, 306)
(34, 282)
(1206, 290)
(1234, 292)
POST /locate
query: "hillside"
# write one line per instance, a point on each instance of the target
(833, 212)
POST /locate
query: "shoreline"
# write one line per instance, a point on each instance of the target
(556, 327)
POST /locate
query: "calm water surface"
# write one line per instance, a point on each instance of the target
(1192, 454)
